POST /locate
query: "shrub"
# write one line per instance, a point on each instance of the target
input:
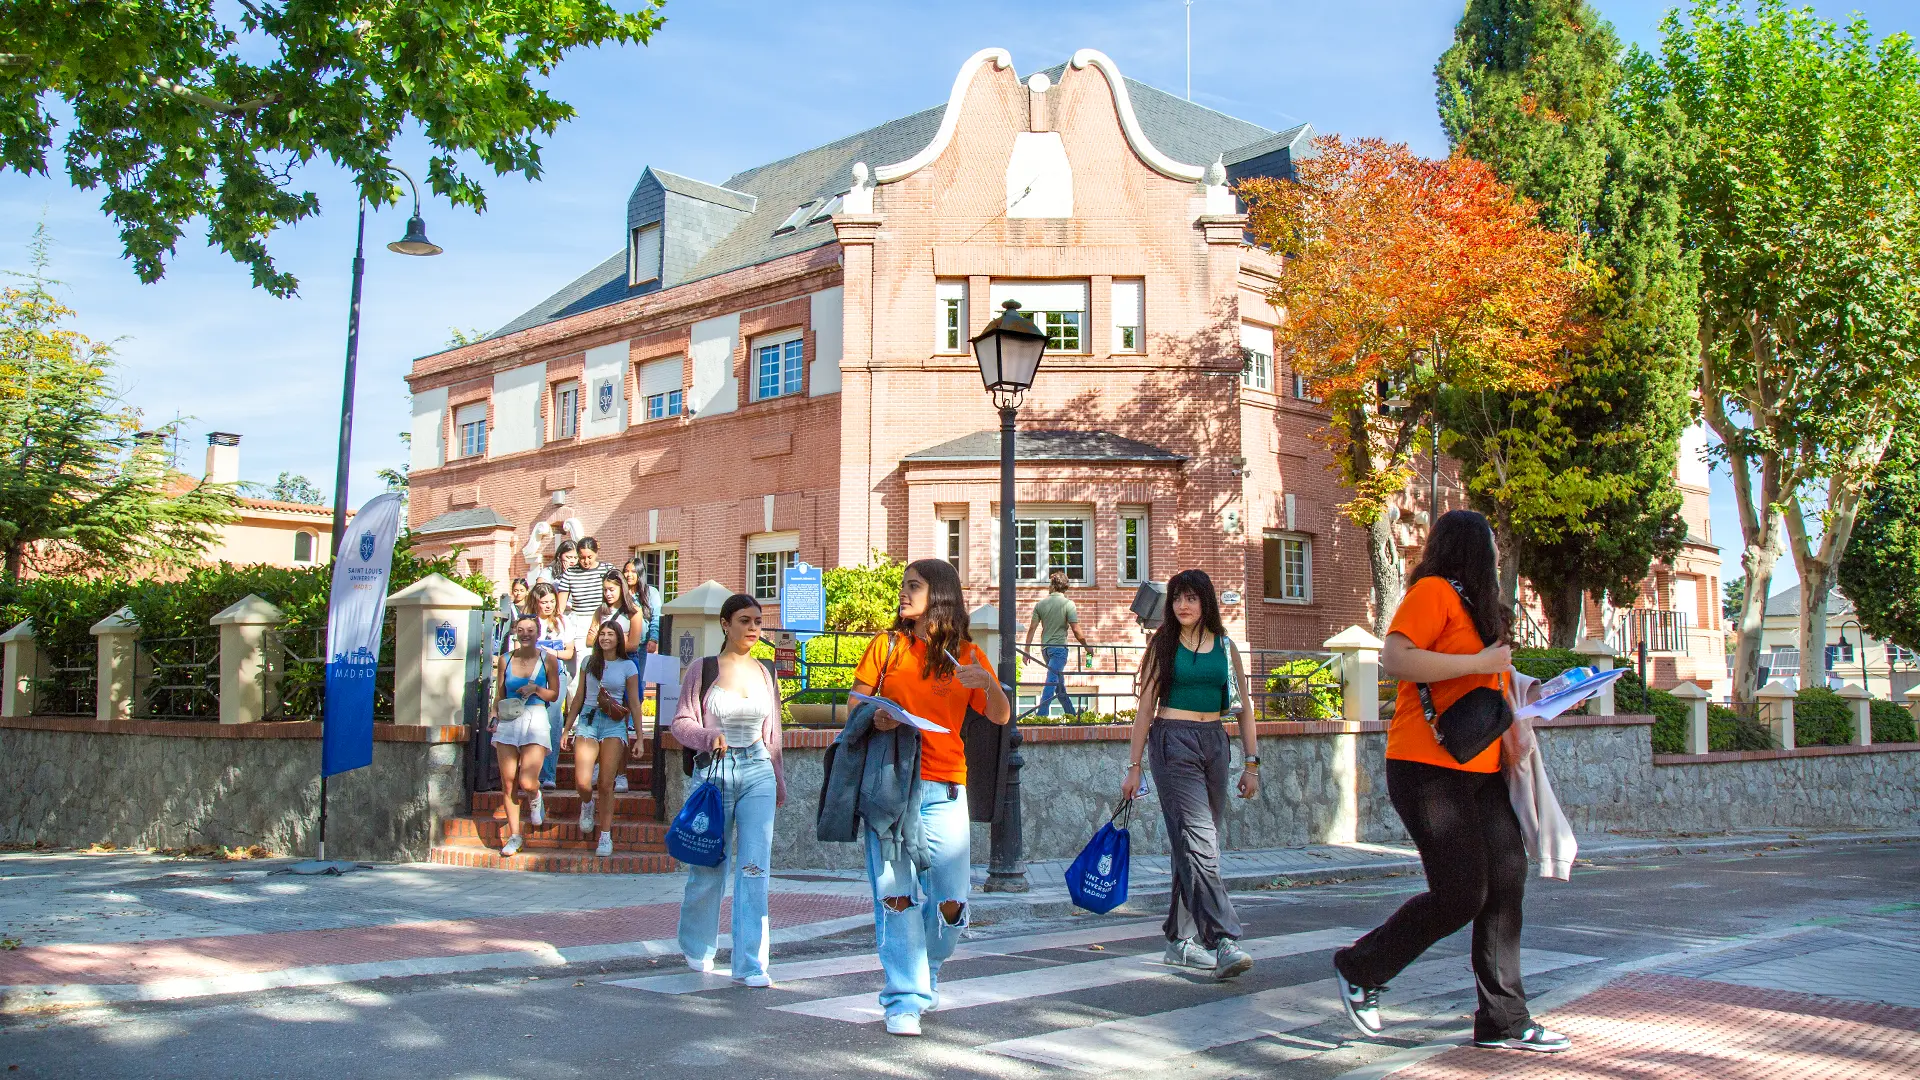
(1821, 718)
(1891, 723)
(1546, 663)
(1729, 730)
(1303, 689)
(863, 599)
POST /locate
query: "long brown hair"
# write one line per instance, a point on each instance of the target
(598, 662)
(1165, 642)
(1461, 550)
(946, 616)
(541, 591)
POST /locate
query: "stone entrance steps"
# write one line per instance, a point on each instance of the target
(559, 846)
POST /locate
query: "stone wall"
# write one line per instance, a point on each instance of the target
(72, 782)
(1604, 773)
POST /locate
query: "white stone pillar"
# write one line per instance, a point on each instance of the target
(1776, 711)
(116, 640)
(1862, 704)
(1359, 659)
(1597, 654)
(23, 663)
(430, 651)
(1913, 704)
(983, 626)
(1696, 699)
(249, 676)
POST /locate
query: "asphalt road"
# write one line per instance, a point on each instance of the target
(1037, 998)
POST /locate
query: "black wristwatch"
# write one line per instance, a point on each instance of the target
(1251, 759)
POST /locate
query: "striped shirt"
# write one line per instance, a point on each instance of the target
(583, 588)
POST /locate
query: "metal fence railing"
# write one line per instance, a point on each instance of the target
(65, 684)
(1663, 631)
(177, 678)
(303, 673)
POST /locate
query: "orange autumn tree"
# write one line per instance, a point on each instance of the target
(1403, 275)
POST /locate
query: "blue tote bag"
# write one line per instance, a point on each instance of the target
(698, 835)
(1097, 880)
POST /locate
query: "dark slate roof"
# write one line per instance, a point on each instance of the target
(1263, 147)
(1047, 446)
(482, 517)
(1787, 602)
(1188, 133)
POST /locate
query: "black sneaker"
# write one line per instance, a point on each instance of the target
(1361, 1002)
(1535, 1038)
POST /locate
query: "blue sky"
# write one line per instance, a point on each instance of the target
(725, 85)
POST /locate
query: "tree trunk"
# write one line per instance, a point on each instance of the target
(1509, 564)
(1562, 606)
(16, 554)
(1819, 568)
(1383, 558)
(1756, 561)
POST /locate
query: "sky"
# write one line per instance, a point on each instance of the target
(724, 86)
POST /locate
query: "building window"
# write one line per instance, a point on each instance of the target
(660, 568)
(1256, 349)
(1057, 307)
(662, 406)
(1839, 654)
(767, 555)
(470, 429)
(1899, 656)
(303, 547)
(1133, 547)
(777, 368)
(566, 410)
(1129, 323)
(1042, 545)
(950, 316)
(643, 257)
(953, 542)
(1289, 568)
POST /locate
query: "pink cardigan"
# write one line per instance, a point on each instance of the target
(695, 728)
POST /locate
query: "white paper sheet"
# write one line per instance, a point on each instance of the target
(662, 668)
(893, 709)
(1549, 707)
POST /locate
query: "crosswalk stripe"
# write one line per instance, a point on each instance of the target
(1144, 1040)
(1043, 982)
(692, 982)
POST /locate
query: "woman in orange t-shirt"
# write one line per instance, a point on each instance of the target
(1450, 632)
(932, 670)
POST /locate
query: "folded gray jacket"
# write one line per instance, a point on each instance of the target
(874, 776)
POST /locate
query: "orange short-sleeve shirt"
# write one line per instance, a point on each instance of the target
(943, 757)
(1433, 618)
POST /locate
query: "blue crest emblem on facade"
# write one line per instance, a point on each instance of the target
(446, 638)
(606, 397)
(366, 546)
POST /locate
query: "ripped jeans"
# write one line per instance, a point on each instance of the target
(918, 918)
(747, 791)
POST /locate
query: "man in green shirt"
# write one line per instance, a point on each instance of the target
(1054, 617)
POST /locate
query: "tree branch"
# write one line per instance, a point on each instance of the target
(188, 93)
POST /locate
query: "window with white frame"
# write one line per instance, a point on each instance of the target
(303, 544)
(660, 386)
(662, 406)
(643, 258)
(1256, 348)
(1900, 656)
(1288, 573)
(778, 365)
(1057, 307)
(950, 538)
(1049, 539)
(767, 555)
(1129, 316)
(566, 410)
(950, 316)
(470, 429)
(1133, 547)
(660, 568)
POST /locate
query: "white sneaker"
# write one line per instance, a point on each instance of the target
(586, 815)
(620, 782)
(1187, 953)
(511, 848)
(758, 982)
(605, 847)
(903, 1024)
(538, 814)
(704, 967)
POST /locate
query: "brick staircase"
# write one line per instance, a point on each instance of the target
(639, 842)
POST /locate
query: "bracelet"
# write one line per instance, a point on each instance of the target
(1252, 761)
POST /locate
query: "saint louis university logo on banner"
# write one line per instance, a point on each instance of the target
(367, 543)
(446, 638)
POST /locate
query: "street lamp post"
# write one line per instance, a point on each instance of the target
(414, 243)
(1861, 633)
(1009, 352)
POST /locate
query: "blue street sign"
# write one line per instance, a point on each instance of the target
(803, 600)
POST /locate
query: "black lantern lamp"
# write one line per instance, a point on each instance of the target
(1009, 352)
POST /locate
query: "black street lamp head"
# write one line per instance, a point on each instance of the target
(415, 242)
(1009, 352)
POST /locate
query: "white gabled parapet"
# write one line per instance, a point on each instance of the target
(1129, 123)
(1001, 60)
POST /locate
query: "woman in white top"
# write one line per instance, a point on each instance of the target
(618, 605)
(597, 717)
(734, 718)
(521, 736)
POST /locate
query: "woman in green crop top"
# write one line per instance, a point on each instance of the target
(1187, 684)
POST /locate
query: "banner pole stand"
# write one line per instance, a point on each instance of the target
(322, 856)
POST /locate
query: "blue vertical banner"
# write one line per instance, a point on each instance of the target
(362, 570)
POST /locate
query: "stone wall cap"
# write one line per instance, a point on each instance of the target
(989, 613)
(120, 622)
(436, 590)
(1854, 691)
(1353, 638)
(22, 631)
(250, 610)
(1777, 689)
(1592, 647)
(703, 599)
(1690, 691)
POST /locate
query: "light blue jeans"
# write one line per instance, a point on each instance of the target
(747, 792)
(915, 941)
(1056, 687)
(557, 719)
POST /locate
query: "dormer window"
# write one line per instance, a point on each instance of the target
(643, 255)
(797, 218)
(827, 210)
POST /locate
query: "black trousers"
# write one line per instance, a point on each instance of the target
(1476, 864)
(1189, 760)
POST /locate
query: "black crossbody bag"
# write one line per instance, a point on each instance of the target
(1471, 724)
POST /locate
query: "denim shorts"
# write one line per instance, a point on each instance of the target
(596, 726)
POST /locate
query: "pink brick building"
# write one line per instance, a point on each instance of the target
(777, 367)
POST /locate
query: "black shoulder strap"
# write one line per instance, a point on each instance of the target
(709, 674)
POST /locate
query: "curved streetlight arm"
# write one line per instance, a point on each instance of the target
(410, 183)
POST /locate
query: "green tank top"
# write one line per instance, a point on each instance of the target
(1199, 682)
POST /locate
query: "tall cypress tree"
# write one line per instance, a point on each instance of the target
(1578, 479)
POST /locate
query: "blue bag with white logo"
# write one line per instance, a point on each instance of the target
(1097, 880)
(698, 835)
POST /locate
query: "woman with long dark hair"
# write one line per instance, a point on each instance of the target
(522, 738)
(1187, 684)
(599, 731)
(618, 604)
(1449, 637)
(932, 669)
(545, 603)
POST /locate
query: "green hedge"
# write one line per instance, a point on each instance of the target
(1303, 689)
(1821, 718)
(1891, 723)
